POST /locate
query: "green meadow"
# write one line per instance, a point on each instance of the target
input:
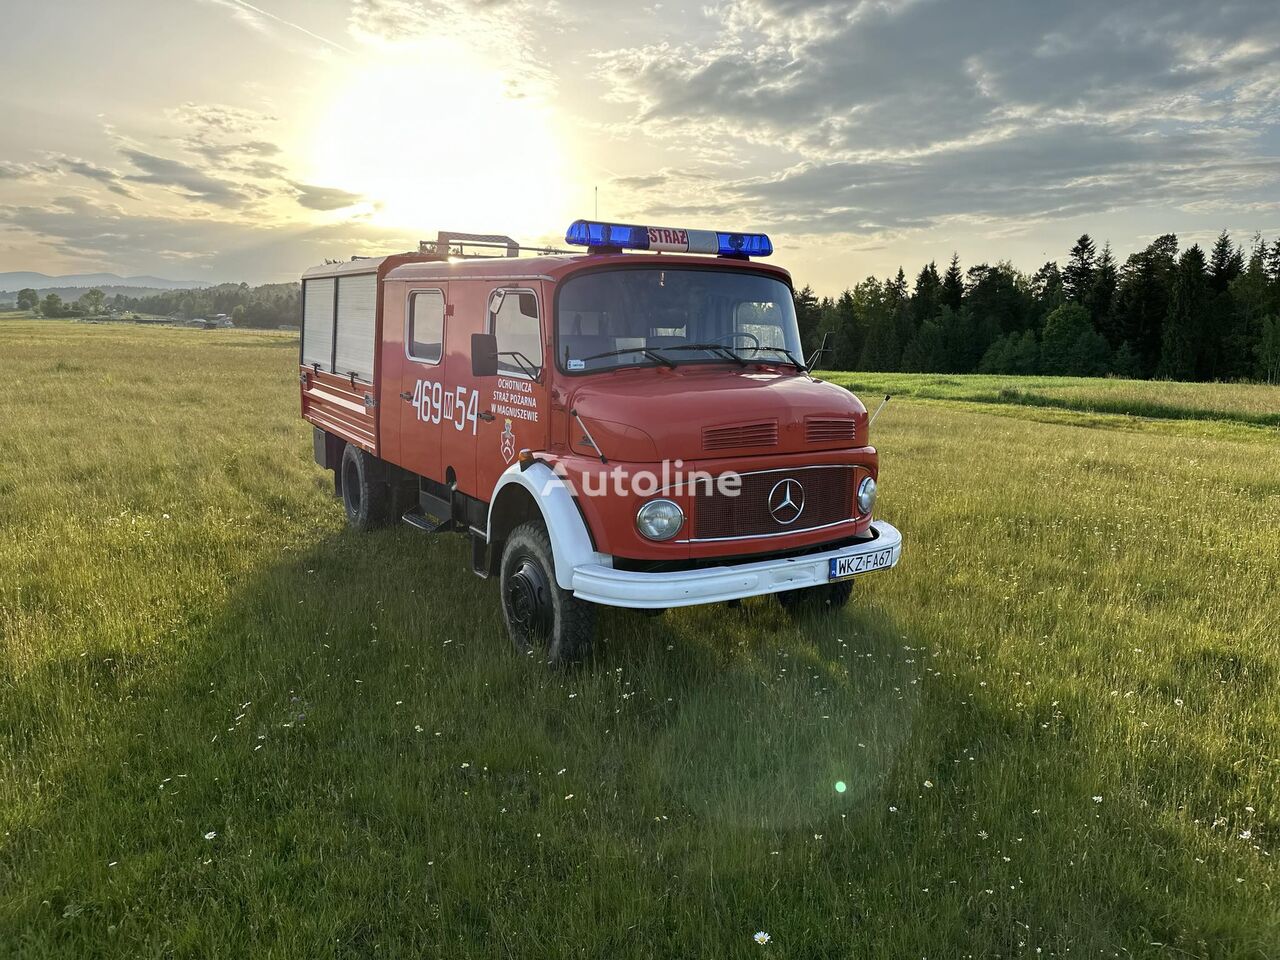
(231, 728)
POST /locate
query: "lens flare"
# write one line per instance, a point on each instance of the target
(841, 786)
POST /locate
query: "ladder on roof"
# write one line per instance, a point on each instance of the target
(449, 243)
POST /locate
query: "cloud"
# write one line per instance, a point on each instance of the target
(185, 178)
(265, 22)
(105, 236)
(218, 117)
(895, 115)
(103, 175)
(325, 198)
(507, 36)
(12, 170)
(246, 156)
(387, 19)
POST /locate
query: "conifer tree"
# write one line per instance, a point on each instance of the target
(1182, 327)
(953, 285)
(1077, 275)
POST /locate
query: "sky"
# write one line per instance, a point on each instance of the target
(223, 140)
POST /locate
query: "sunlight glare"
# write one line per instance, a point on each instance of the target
(434, 140)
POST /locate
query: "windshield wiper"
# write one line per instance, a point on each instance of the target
(719, 348)
(647, 351)
(786, 353)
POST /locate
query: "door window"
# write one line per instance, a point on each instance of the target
(426, 326)
(513, 320)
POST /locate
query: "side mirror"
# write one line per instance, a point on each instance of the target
(484, 355)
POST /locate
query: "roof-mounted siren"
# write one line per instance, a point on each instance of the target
(614, 237)
(446, 240)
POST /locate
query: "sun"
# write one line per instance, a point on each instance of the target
(436, 140)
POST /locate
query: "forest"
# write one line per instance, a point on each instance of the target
(1163, 313)
(270, 305)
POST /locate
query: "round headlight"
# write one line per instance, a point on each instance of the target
(866, 496)
(659, 519)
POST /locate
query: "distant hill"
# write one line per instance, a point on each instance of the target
(74, 293)
(22, 279)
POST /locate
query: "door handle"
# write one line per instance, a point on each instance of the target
(486, 416)
(405, 395)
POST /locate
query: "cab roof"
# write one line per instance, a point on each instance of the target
(557, 267)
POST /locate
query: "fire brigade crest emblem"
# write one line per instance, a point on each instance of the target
(508, 442)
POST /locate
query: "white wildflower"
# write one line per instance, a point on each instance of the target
(762, 938)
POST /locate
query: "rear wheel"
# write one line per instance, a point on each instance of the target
(365, 496)
(544, 621)
(827, 598)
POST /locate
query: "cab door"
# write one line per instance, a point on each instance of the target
(422, 382)
(460, 402)
(516, 399)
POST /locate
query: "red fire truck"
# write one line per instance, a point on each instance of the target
(631, 424)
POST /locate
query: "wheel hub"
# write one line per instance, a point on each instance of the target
(529, 599)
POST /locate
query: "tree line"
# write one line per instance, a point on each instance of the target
(1162, 313)
(270, 305)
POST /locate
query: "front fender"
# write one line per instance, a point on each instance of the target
(571, 544)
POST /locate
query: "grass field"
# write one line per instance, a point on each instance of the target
(1242, 403)
(230, 728)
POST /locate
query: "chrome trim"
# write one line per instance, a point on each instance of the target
(751, 473)
(767, 536)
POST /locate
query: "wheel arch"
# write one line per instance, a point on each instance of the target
(537, 492)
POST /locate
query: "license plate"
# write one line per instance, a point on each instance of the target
(841, 568)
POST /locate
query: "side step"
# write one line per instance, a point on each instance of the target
(420, 521)
(430, 506)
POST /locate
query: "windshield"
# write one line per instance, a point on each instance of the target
(646, 316)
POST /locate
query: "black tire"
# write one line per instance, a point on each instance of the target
(816, 601)
(365, 496)
(544, 621)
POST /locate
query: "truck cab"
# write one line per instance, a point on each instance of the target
(632, 424)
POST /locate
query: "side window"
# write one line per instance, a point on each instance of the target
(513, 319)
(426, 326)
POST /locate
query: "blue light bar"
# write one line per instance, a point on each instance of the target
(591, 233)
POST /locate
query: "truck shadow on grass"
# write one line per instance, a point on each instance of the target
(347, 759)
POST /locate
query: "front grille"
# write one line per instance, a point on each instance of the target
(827, 498)
(764, 434)
(826, 430)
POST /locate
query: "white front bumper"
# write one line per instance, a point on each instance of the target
(623, 588)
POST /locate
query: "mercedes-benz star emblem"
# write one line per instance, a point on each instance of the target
(786, 501)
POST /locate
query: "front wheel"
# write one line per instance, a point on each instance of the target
(544, 621)
(826, 598)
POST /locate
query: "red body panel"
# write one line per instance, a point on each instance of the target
(433, 419)
(337, 406)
